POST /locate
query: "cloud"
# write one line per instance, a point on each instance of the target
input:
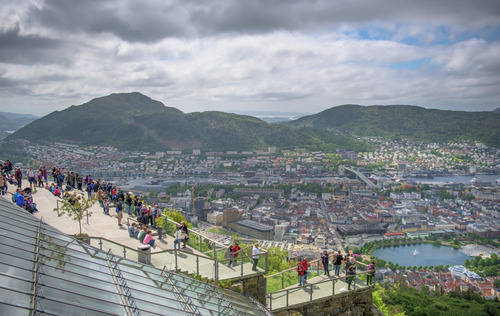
(287, 55)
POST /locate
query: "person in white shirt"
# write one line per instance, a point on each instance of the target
(179, 236)
(256, 251)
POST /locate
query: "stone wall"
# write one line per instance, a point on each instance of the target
(358, 303)
(255, 286)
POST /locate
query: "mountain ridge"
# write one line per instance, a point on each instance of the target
(134, 121)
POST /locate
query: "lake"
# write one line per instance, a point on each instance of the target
(428, 255)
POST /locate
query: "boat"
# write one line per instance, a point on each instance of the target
(415, 252)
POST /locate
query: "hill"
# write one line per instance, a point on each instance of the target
(403, 121)
(132, 121)
(10, 122)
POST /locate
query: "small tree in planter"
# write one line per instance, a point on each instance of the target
(76, 206)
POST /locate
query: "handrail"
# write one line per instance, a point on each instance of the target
(196, 233)
(329, 280)
(290, 269)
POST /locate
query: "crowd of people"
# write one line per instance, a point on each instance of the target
(148, 216)
(348, 261)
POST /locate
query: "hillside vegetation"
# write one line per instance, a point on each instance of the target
(132, 121)
(403, 121)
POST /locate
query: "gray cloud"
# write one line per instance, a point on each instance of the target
(279, 55)
(26, 48)
(153, 20)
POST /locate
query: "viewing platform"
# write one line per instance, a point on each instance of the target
(204, 257)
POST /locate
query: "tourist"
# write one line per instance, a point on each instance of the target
(185, 231)
(89, 190)
(131, 230)
(128, 203)
(159, 225)
(119, 212)
(305, 266)
(3, 184)
(179, 236)
(300, 273)
(142, 233)
(105, 204)
(350, 277)
(229, 255)
(256, 252)
(236, 252)
(152, 216)
(370, 276)
(20, 198)
(148, 240)
(40, 178)
(137, 205)
(352, 263)
(324, 260)
(337, 262)
(18, 175)
(31, 178)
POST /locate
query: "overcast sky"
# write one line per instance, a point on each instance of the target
(251, 55)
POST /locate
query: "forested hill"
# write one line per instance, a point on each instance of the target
(403, 121)
(132, 121)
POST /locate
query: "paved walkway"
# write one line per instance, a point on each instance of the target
(189, 260)
(296, 296)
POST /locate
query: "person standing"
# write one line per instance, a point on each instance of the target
(185, 231)
(337, 262)
(3, 184)
(236, 252)
(159, 225)
(229, 255)
(18, 175)
(119, 212)
(305, 266)
(370, 276)
(324, 260)
(350, 277)
(179, 236)
(300, 272)
(256, 252)
(31, 178)
(128, 203)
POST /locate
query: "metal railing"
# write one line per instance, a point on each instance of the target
(184, 261)
(283, 298)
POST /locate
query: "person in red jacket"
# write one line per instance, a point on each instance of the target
(236, 249)
(300, 272)
(304, 267)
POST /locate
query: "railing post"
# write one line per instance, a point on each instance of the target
(199, 237)
(286, 299)
(124, 252)
(175, 251)
(311, 295)
(242, 261)
(317, 268)
(266, 262)
(100, 243)
(333, 287)
(197, 264)
(216, 264)
(271, 301)
(282, 280)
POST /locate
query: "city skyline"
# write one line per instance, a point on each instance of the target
(243, 56)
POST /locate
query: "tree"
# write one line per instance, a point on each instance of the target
(76, 207)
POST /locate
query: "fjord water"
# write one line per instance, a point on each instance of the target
(428, 255)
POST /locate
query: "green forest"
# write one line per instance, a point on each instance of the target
(399, 300)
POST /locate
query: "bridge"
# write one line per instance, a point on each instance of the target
(362, 177)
